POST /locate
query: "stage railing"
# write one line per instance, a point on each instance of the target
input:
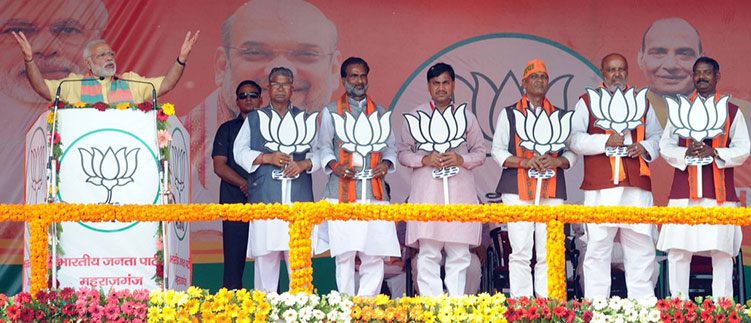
(302, 217)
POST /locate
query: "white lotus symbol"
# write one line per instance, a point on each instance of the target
(363, 134)
(289, 134)
(438, 132)
(702, 119)
(619, 111)
(543, 133)
(109, 169)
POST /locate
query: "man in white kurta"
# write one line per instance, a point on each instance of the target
(370, 241)
(455, 238)
(269, 239)
(730, 149)
(511, 158)
(634, 189)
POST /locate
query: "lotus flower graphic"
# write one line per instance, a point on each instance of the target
(619, 111)
(289, 134)
(109, 169)
(179, 159)
(543, 133)
(364, 134)
(702, 119)
(440, 131)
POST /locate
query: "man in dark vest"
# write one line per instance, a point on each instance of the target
(633, 189)
(269, 239)
(517, 188)
(234, 185)
(729, 149)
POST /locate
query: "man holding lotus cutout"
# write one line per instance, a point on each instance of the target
(517, 186)
(725, 145)
(459, 132)
(355, 139)
(618, 178)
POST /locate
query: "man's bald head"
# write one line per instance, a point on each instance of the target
(614, 71)
(669, 48)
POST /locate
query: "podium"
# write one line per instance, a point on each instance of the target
(112, 157)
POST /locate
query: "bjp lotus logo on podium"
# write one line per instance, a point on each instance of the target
(109, 169)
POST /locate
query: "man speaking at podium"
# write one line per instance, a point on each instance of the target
(101, 84)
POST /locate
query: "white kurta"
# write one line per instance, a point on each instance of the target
(375, 238)
(266, 236)
(584, 144)
(704, 238)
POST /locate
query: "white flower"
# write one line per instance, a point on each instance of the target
(615, 303)
(289, 315)
(345, 317)
(334, 297)
(306, 313)
(619, 112)
(631, 315)
(541, 132)
(332, 316)
(438, 132)
(364, 134)
(647, 302)
(653, 316)
(702, 119)
(301, 299)
(318, 314)
(618, 318)
(288, 299)
(599, 303)
(598, 317)
(289, 134)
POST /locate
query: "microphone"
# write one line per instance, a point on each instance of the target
(153, 88)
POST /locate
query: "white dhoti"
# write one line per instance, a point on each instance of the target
(681, 242)
(638, 241)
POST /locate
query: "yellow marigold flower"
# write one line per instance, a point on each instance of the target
(122, 106)
(79, 105)
(50, 117)
(168, 109)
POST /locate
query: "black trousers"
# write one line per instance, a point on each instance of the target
(235, 240)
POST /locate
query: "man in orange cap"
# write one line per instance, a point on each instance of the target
(633, 188)
(517, 188)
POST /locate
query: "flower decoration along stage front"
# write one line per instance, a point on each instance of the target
(698, 120)
(618, 112)
(361, 136)
(439, 132)
(109, 169)
(289, 134)
(542, 134)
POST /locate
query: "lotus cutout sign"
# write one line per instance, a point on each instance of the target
(618, 112)
(698, 120)
(288, 134)
(542, 134)
(361, 136)
(439, 132)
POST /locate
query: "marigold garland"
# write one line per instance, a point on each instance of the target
(302, 217)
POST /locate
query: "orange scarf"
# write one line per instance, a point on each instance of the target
(643, 168)
(526, 185)
(719, 175)
(347, 192)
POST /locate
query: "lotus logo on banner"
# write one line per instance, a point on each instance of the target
(179, 164)
(542, 133)
(289, 134)
(702, 119)
(438, 132)
(363, 135)
(109, 169)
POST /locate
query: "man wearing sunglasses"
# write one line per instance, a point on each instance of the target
(233, 187)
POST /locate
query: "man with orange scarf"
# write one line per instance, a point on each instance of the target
(370, 241)
(633, 189)
(729, 149)
(517, 188)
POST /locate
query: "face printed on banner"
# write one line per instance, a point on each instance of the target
(58, 30)
(669, 49)
(356, 82)
(614, 71)
(294, 34)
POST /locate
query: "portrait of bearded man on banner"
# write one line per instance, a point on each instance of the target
(58, 30)
(255, 39)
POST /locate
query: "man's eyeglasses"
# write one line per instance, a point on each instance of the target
(245, 95)
(69, 32)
